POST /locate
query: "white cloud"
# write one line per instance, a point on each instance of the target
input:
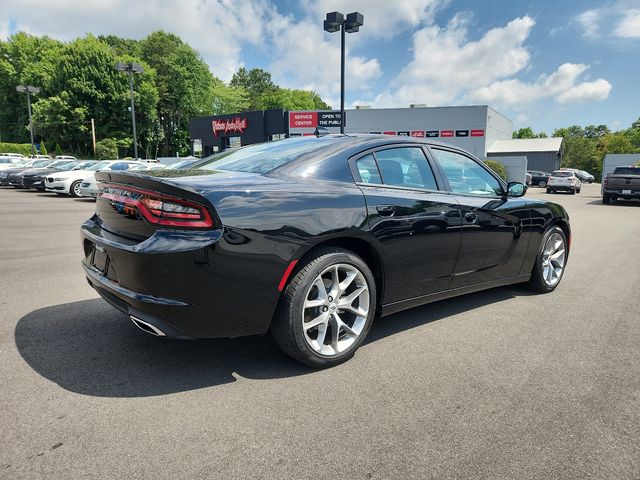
(629, 25)
(308, 58)
(382, 18)
(561, 85)
(590, 21)
(586, 92)
(446, 64)
(216, 28)
(4, 29)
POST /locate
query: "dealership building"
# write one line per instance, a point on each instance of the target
(473, 128)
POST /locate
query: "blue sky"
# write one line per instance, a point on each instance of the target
(546, 64)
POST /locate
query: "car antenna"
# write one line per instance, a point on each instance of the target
(321, 132)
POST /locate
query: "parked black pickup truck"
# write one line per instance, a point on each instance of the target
(624, 182)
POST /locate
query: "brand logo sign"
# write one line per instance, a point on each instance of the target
(446, 133)
(417, 133)
(233, 125)
(477, 133)
(462, 133)
(432, 133)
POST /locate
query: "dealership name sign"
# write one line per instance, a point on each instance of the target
(233, 125)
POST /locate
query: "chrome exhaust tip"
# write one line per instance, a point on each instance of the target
(147, 327)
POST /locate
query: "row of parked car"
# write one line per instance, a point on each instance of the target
(565, 179)
(75, 178)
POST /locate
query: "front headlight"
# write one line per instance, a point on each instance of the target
(58, 179)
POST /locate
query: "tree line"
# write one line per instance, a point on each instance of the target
(79, 82)
(585, 148)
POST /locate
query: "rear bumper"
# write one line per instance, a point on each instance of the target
(185, 284)
(618, 193)
(563, 188)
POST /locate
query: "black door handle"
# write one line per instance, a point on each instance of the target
(386, 210)
(470, 217)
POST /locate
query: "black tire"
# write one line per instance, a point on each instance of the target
(549, 190)
(573, 191)
(542, 184)
(73, 187)
(606, 198)
(613, 198)
(286, 328)
(537, 282)
(579, 190)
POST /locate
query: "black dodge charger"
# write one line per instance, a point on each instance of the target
(312, 238)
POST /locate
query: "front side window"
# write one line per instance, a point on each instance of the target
(465, 175)
(405, 167)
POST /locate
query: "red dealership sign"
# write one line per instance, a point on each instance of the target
(233, 125)
(446, 133)
(477, 133)
(303, 119)
(417, 133)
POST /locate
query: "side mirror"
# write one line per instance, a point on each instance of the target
(516, 189)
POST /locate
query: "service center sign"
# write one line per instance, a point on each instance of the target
(314, 119)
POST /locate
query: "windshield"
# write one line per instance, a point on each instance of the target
(265, 157)
(98, 166)
(562, 174)
(40, 163)
(180, 164)
(83, 165)
(627, 171)
(66, 165)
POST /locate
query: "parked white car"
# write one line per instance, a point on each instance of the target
(8, 162)
(19, 156)
(65, 157)
(68, 183)
(564, 181)
(89, 188)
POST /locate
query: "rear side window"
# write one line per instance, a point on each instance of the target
(368, 170)
(405, 167)
(465, 175)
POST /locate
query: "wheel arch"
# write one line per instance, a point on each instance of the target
(359, 246)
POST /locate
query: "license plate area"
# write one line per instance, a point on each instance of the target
(626, 192)
(100, 259)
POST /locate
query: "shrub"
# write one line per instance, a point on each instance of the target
(497, 167)
(58, 150)
(23, 148)
(43, 149)
(107, 149)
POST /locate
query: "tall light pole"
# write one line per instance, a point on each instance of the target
(131, 68)
(334, 22)
(28, 89)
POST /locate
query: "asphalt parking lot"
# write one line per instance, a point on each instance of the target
(498, 384)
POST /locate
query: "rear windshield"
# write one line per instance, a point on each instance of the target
(562, 174)
(265, 157)
(41, 163)
(627, 171)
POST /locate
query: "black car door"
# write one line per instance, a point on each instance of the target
(494, 226)
(416, 224)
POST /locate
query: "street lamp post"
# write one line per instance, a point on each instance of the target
(28, 89)
(131, 68)
(334, 22)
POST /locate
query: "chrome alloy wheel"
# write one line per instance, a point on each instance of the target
(553, 259)
(335, 309)
(76, 189)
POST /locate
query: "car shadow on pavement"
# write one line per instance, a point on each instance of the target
(90, 348)
(618, 203)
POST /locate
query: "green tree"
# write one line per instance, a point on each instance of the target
(24, 60)
(107, 149)
(593, 131)
(257, 82)
(293, 100)
(227, 99)
(43, 149)
(184, 84)
(526, 132)
(497, 167)
(58, 150)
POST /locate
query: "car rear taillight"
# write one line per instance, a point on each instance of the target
(606, 181)
(159, 208)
